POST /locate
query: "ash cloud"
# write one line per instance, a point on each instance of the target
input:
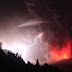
(43, 17)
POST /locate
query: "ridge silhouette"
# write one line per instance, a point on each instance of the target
(14, 62)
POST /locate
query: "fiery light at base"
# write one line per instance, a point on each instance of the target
(56, 54)
(61, 54)
(17, 47)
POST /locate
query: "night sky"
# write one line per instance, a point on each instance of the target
(21, 21)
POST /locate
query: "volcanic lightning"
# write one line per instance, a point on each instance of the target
(39, 36)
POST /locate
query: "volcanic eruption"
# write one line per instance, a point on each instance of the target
(36, 30)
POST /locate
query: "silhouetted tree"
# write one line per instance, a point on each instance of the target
(12, 62)
(37, 63)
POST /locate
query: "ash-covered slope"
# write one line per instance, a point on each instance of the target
(64, 65)
(13, 62)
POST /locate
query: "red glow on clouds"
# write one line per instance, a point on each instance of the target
(30, 9)
(61, 54)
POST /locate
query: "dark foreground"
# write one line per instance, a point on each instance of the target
(64, 65)
(12, 62)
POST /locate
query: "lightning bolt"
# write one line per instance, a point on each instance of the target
(35, 41)
(39, 36)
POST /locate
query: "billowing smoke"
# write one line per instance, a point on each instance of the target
(36, 33)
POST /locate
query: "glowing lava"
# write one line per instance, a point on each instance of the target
(63, 53)
(56, 54)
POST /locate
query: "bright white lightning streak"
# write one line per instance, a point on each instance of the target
(20, 48)
(39, 36)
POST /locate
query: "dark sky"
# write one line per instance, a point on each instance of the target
(15, 12)
(12, 13)
(7, 7)
(46, 9)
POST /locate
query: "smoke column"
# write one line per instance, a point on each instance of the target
(20, 28)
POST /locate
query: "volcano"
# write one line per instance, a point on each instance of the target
(64, 65)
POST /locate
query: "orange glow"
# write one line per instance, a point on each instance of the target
(41, 34)
(61, 54)
(46, 44)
